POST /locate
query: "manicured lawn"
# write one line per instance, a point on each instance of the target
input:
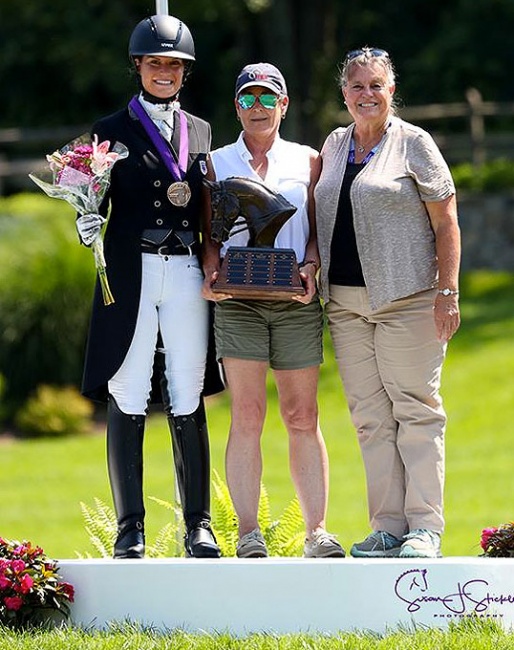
(42, 482)
(469, 635)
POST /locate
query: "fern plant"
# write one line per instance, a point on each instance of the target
(101, 527)
(284, 536)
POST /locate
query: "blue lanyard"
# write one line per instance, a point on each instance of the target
(368, 157)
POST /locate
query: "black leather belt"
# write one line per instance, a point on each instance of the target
(167, 249)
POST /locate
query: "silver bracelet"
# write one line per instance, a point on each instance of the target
(448, 292)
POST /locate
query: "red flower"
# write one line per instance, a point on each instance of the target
(13, 602)
(25, 584)
(68, 590)
(487, 533)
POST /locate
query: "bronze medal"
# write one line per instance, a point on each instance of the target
(179, 194)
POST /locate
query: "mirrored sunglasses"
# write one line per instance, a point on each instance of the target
(368, 51)
(248, 101)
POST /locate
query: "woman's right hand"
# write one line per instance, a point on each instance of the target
(88, 227)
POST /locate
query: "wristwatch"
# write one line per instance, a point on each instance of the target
(449, 292)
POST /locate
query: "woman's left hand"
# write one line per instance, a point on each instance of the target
(208, 293)
(446, 316)
(308, 277)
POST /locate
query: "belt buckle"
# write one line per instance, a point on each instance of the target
(163, 251)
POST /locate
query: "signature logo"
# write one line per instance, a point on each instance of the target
(472, 596)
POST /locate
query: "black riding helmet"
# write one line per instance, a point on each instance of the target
(163, 35)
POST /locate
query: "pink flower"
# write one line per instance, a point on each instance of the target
(25, 584)
(486, 536)
(13, 602)
(18, 566)
(5, 583)
(20, 550)
(102, 159)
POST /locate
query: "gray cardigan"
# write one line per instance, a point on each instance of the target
(395, 240)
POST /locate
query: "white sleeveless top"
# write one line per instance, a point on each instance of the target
(288, 174)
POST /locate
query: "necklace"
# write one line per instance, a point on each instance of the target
(361, 148)
(371, 144)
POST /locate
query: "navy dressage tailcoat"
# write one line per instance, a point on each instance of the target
(137, 200)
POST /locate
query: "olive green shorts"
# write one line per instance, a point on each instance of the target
(287, 334)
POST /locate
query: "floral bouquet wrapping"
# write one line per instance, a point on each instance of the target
(30, 589)
(498, 542)
(80, 174)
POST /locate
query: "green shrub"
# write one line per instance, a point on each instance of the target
(55, 411)
(46, 284)
(492, 176)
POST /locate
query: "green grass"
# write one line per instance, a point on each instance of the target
(470, 635)
(43, 481)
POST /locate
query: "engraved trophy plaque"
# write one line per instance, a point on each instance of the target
(257, 271)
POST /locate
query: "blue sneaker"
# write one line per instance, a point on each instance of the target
(421, 543)
(378, 544)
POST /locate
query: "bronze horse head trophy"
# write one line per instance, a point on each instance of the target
(263, 211)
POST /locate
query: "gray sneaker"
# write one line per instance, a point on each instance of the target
(252, 545)
(322, 544)
(378, 544)
(421, 543)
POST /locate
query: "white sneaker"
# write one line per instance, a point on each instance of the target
(322, 544)
(421, 543)
(252, 545)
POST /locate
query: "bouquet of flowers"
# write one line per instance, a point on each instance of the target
(30, 588)
(80, 173)
(498, 542)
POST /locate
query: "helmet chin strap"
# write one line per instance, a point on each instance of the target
(158, 100)
(152, 98)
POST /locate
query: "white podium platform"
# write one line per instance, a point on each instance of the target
(289, 595)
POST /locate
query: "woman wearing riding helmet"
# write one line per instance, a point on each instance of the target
(156, 334)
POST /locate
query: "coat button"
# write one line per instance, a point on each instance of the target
(157, 183)
(159, 222)
(157, 204)
(185, 223)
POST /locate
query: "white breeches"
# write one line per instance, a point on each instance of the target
(170, 302)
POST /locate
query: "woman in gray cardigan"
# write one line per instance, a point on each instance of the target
(389, 243)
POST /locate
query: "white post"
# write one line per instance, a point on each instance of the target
(161, 7)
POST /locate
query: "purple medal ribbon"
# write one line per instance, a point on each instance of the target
(178, 171)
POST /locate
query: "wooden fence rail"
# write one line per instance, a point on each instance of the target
(474, 144)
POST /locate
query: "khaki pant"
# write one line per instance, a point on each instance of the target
(390, 362)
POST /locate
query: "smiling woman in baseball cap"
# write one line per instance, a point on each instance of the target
(286, 335)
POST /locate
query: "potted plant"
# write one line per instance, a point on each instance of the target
(498, 541)
(31, 591)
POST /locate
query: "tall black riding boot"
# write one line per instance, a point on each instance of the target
(192, 466)
(125, 462)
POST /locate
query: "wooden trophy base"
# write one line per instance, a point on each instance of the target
(259, 274)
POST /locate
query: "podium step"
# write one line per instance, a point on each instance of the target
(289, 595)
